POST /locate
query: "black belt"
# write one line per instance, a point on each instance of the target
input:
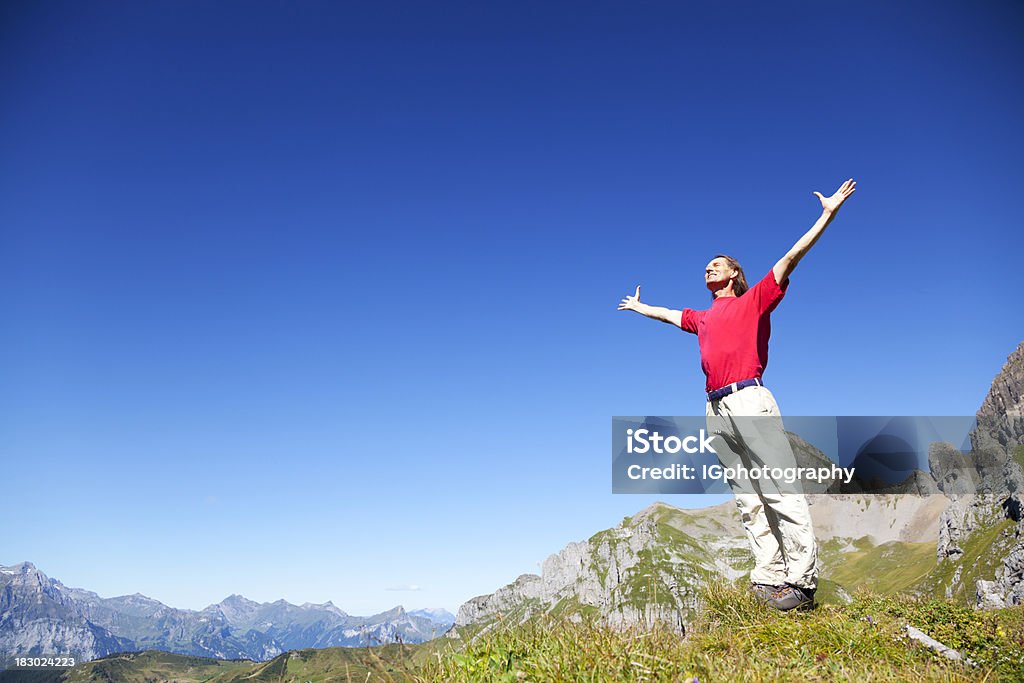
(735, 386)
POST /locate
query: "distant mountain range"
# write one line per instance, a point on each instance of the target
(40, 615)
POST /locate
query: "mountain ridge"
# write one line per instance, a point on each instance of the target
(40, 615)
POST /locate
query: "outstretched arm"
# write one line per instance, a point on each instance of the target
(665, 315)
(829, 207)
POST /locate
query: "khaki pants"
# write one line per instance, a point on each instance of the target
(777, 521)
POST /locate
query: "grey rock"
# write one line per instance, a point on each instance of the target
(636, 573)
(1001, 416)
(989, 595)
(954, 473)
(999, 480)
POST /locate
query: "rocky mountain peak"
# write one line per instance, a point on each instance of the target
(20, 568)
(328, 606)
(998, 459)
(652, 511)
(26, 575)
(239, 600)
(393, 613)
(1001, 416)
(997, 439)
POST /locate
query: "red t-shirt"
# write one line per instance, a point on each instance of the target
(733, 333)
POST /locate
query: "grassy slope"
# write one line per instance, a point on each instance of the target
(886, 568)
(737, 639)
(152, 665)
(318, 665)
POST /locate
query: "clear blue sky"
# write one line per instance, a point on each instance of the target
(317, 301)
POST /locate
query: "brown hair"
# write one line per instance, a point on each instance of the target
(739, 285)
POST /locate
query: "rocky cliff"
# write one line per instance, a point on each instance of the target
(644, 569)
(37, 616)
(981, 538)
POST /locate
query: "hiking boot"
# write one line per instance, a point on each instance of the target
(764, 591)
(792, 597)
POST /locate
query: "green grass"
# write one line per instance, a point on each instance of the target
(737, 639)
(392, 662)
(886, 568)
(992, 639)
(153, 665)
